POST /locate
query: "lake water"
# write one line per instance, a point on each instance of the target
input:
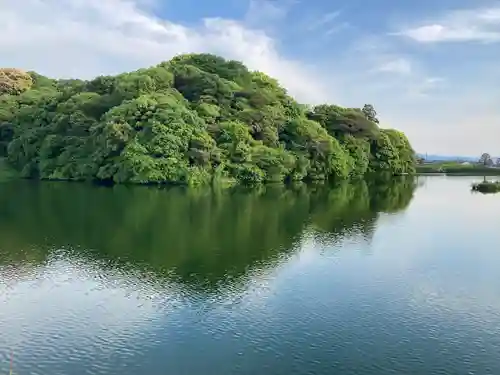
(367, 279)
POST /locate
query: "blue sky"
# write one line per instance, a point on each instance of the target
(430, 68)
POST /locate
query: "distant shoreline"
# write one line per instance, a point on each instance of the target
(456, 169)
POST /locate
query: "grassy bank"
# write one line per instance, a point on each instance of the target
(457, 169)
(487, 187)
(6, 172)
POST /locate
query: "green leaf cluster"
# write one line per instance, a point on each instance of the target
(192, 120)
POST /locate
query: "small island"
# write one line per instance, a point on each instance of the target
(193, 120)
(487, 187)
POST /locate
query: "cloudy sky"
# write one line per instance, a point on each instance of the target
(431, 68)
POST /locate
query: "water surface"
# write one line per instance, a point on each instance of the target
(365, 279)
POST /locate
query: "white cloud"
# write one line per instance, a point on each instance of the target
(337, 28)
(440, 33)
(426, 85)
(264, 12)
(92, 37)
(399, 65)
(474, 25)
(323, 20)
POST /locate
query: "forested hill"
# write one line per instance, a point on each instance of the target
(194, 119)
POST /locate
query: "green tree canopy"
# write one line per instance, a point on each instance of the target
(370, 113)
(14, 81)
(191, 120)
(485, 159)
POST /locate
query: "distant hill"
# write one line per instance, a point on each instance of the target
(432, 157)
(196, 119)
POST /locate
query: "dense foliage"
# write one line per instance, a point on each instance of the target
(14, 81)
(191, 120)
(487, 187)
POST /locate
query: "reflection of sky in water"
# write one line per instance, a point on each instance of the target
(68, 310)
(423, 291)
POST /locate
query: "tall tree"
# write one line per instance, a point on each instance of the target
(370, 113)
(485, 159)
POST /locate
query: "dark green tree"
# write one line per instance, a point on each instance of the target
(485, 159)
(370, 113)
